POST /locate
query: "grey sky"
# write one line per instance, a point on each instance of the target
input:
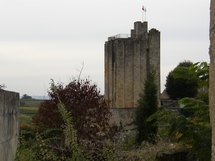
(44, 39)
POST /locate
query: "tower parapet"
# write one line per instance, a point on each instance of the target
(139, 29)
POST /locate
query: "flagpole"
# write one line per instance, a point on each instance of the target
(142, 16)
(145, 14)
(142, 13)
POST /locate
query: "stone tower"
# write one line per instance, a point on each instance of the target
(128, 59)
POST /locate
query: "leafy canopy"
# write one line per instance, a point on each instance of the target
(182, 81)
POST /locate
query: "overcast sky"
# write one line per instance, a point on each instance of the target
(44, 39)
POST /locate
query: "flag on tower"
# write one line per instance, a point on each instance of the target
(143, 9)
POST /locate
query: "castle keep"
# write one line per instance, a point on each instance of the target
(128, 60)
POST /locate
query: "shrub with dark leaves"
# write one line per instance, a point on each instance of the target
(89, 110)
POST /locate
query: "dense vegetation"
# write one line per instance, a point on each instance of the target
(89, 109)
(190, 125)
(74, 124)
(61, 132)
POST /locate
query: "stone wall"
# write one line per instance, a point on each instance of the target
(124, 119)
(127, 63)
(9, 124)
(212, 75)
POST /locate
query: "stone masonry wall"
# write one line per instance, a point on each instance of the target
(9, 124)
(212, 75)
(127, 63)
(124, 118)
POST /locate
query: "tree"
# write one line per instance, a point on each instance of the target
(25, 96)
(147, 105)
(89, 109)
(185, 63)
(182, 82)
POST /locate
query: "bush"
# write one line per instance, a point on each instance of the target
(89, 110)
(189, 126)
(44, 145)
(48, 115)
(56, 135)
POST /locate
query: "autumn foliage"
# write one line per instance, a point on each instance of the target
(82, 98)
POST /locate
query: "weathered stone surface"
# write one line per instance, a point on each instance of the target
(127, 63)
(122, 116)
(124, 119)
(9, 125)
(212, 74)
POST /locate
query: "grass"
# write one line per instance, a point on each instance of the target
(26, 114)
(30, 102)
(28, 108)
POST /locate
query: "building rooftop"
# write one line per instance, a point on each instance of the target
(140, 28)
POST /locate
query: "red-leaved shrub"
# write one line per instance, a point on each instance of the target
(89, 109)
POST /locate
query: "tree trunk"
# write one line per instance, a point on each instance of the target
(212, 74)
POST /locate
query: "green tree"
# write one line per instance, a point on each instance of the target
(202, 71)
(147, 105)
(182, 82)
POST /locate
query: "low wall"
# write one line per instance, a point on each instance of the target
(122, 116)
(9, 124)
(124, 119)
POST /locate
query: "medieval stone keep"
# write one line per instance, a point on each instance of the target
(128, 60)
